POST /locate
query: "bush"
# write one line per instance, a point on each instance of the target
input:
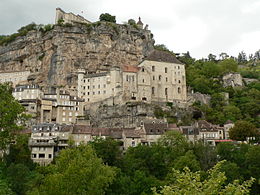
(107, 18)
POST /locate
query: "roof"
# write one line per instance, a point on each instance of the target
(81, 129)
(131, 133)
(162, 56)
(96, 75)
(155, 128)
(139, 21)
(128, 68)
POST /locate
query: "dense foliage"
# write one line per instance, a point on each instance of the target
(227, 103)
(107, 18)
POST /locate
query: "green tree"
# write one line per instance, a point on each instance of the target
(188, 160)
(242, 130)
(4, 188)
(188, 182)
(109, 150)
(107, 18)
(228, 65)
(77, 171)
(11, 113)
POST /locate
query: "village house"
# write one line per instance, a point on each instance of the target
(60, 107)
(14, 77)
(46, 141)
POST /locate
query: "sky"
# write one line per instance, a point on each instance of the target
(198, 26)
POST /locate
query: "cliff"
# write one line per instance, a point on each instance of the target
(53, 57)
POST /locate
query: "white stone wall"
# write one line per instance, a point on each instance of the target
(69, 17)
(14, 77)
(25, 94)
(161, 82)
(97, 87)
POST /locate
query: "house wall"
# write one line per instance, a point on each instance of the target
(14, 77)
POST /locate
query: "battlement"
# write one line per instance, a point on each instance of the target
(69, 18)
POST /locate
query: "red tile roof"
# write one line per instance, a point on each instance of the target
(128, 68)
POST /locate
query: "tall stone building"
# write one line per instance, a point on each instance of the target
(159, 78)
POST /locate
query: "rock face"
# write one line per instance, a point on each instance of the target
(54, 57)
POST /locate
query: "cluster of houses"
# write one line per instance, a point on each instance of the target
(47, 139)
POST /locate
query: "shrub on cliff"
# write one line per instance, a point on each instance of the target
(107, 18)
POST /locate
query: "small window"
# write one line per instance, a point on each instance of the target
(166, 91)
(34, 155)
(160, 77)
(179, 90)
(143, 80)
(166, 70)
(152, 90)
(178, 67)
(50, 155)
(153, 68)
(153, 77)
(142, 69)
(41, 155)
(166, 79)
(179, 81)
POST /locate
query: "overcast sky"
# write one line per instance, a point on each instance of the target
(198, 26)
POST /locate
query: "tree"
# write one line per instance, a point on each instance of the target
(188, 182)
(107, 18)
(109, 150)
(131, 22)
(242, 130)
(77, 171)
(11, 113)
(188, 160)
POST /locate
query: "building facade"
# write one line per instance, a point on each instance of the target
(159, 78)
(14, 77)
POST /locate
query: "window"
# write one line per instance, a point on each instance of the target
(127, 79)
(64, 113)
(143, 80)
(160, 77)
(93, 87)
(153, 77)
(166, 79)
(88, 87)
(104, 91)
(84, 87)
(63, 119)
(88, 93)
(179, 90)
(34, 155)
(166, 91)
(178, 67)
(50, 155)
(133, 143)
(165, 70)
(99, 86)
(153, 68)
(152, 90)
(104, 85)
(93, 92)
(179, 81)
(41, 155)
(142, 69)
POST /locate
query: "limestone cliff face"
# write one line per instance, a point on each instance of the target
(54, 57)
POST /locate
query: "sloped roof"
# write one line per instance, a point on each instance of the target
(155, 128)
(128, 68)
(162, 56)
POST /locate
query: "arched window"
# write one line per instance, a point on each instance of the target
(153, 90)
(179, 90)
(179, 81)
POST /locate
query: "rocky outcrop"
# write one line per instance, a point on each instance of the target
(53, 57)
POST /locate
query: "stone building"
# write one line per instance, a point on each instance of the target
(69, 18)
(227, 126)
(96, 87)
(209, 133)
(14, 77)
(29, 96)
(60, 107)
(159, 78)
(46, 141)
